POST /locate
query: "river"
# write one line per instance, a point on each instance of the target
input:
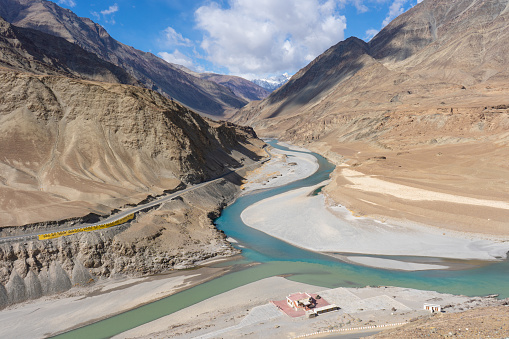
(277, 257)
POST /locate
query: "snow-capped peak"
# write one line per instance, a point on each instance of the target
(274, 82)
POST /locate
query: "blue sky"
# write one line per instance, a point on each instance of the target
(250, 38)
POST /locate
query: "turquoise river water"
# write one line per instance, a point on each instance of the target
(277, 257)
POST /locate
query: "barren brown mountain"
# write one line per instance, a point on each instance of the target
(198, 94)
(241, 87)
(420, 113)
(70, 146)
(40, 53)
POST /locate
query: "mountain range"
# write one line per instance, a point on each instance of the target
(272, 83)
(241, 87)
(80, 134)
(197, 93)
(424, 103)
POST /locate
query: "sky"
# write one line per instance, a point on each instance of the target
(250, 38)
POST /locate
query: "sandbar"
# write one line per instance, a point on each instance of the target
(283, 168)
(305, 220)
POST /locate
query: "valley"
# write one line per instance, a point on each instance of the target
(144, 198)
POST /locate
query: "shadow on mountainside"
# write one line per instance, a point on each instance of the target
(305, 92)
(392, 43)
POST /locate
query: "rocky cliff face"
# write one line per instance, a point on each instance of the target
(154, 73)
(36, 52)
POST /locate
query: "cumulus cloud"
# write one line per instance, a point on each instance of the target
(370, 33)
(107, 14)
(173, 38)
(112, 9)
(359, 4)
(396, 9)
(178, 58)
(267, 36)
(70, 3)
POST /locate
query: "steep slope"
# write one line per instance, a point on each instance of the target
(198, 94)
(242, 88)
(424, 104)
(69, 147)
(73, 150)
(33, 51)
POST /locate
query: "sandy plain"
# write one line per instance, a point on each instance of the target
(459, 187)
(318, 223)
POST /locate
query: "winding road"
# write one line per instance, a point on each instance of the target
(126, 212)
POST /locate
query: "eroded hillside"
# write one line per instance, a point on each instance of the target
(70, 147)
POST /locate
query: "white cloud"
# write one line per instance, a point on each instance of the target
(70, 3)
(112, 9)
(177, 58)
(172, 38)
(267, 36)
(359, 4)
(370, 33)
(396, 9)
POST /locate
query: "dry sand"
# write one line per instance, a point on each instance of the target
(304, 220)
(247, 312)
(460, 187)
(53, 314)
(283, 168)
(372, 184)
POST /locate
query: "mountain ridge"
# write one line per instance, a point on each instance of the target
(198, 94)
(34, 51)
(413, 106)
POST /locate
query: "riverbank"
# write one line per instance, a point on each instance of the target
(455, 187)
(283, 168)
(247, 311)
(303, 219)
(79, 306)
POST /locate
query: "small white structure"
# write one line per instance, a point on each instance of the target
(300, 300)
(433, 308)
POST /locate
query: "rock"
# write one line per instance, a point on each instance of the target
(80, 275)
(4, 299)
(15, 289)
(58, 280)
(33, 286)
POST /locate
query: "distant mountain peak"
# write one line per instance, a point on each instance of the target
(274, 82)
